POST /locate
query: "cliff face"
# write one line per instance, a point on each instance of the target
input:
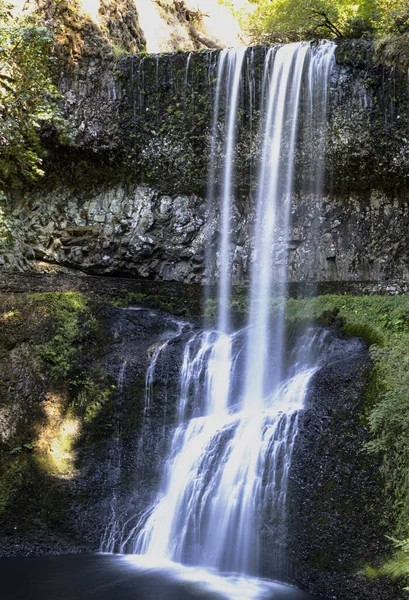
(128, 197)
(83, 437)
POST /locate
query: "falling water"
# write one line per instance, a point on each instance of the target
(229, 461)
(234, 462)
(150, 373)
(282, 82)
(229, 71)
(234, 66)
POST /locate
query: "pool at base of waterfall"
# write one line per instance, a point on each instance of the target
(130, 577)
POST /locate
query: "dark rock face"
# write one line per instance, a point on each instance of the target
(335, 507)
(129, 196)
(123, 477)
(70, 461)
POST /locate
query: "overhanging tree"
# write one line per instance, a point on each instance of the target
(28, 95)
(294, 20)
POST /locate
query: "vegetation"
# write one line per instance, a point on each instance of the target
(294, 20)
(28, 96)
(396, 567)
(68, 400)
(65, 310)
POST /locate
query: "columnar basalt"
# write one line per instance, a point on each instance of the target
(129, 197)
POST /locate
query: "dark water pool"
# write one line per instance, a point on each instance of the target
(107, 577)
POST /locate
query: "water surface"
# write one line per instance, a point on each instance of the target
(108, 577)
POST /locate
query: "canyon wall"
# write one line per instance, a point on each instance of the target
(128, 197)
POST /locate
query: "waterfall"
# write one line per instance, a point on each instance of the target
(241, 391)
(229, 70)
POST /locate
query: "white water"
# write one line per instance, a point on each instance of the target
(230, 457)
(229, 72)
(210, 582)
(234, 67)
(283, 73)
(150, 373)
(232, 460)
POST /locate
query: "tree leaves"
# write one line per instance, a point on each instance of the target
(28, 96)
(293, 20)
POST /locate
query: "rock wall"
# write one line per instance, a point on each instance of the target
(138, 231)
(340, 506)
(124, 229)
(128, 197)
(75, 432)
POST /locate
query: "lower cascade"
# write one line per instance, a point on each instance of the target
(241, 391)
(228, 463)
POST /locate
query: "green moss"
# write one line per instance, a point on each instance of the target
(397, 567)
(155, 301)
(14, 469)
(393, 50)
(89, 398)
(68, 331)
(66, 310)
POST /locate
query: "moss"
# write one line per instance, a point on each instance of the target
(66, 310)
(29, 494)
(156, 301)
(89, 397)
(64, 329)
(393, 51)
(14, 470)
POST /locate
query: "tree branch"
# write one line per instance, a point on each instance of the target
(327, 23)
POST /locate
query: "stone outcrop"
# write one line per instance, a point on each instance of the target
(137, 231)
(107, 231)
(128, 197)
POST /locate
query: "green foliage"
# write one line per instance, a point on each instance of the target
(65, 308)
(119, 51)
(391, 17)
(293, 20)
(28, 96)
(6, 236)
(89, 397)
(397, 567)
(12, 477)
(153, 300)
(20, 449)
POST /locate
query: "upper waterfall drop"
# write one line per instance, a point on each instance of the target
(282, 84)
(231, 452)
